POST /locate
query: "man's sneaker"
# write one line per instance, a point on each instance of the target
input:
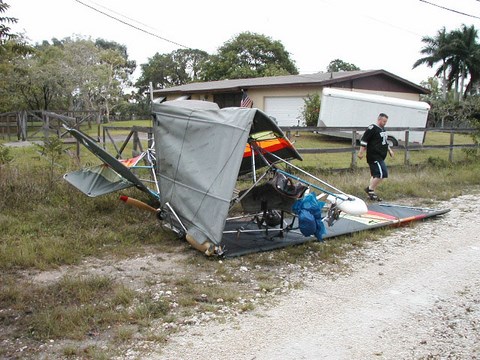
(371, 194)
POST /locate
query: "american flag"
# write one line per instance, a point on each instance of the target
(246, 101)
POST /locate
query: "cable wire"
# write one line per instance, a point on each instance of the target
(133, 26)
(452, 10)
(124, 16)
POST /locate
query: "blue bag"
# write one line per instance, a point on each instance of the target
(309, 211)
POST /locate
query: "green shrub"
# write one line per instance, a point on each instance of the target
(5, 156)
(311, 109)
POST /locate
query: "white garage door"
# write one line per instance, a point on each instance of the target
(287, 111)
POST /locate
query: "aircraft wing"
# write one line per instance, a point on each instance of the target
(97, 180)
(112, 175)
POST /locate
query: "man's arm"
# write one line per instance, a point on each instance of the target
(361, 152)
(364, 141)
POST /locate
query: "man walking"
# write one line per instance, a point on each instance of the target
(374, 143)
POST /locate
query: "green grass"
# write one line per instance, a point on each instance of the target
(443, 138)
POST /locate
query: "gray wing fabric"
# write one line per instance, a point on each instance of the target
(199, 153)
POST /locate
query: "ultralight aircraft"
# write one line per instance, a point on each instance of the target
(198, 157)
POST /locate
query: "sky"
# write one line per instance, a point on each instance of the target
(371, 34)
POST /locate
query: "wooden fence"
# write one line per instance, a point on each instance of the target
(406, 145)
(37, 125)
(16, 123)
(133, 134)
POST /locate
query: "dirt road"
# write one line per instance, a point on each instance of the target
(412, 295)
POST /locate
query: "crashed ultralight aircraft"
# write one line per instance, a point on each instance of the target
(198, 154)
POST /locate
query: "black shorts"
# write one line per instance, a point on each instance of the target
(378, 169)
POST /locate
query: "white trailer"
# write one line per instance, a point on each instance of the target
(340, 108)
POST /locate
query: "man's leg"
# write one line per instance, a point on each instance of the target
(370, 190)
(376, 176)
(374, 182)
(379, 171)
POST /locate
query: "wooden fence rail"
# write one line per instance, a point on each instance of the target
(353, 148)
(51, 123)
(406, 145)
(36, 125)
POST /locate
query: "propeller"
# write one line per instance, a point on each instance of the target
(138, 204)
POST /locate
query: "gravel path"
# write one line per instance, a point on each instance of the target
(412, 295)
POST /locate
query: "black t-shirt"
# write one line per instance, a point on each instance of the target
(375, 139)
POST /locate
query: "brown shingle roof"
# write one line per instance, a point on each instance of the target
(320, 79)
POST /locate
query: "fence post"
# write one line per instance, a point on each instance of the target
(99, 122)
(104, 138)
(150, 138)
(354, 149)
(77, 149)
(136, 143)
(21, 126)
(450, 153)
(46, 125)
(407, 153)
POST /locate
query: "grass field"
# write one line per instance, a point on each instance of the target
(47, 225)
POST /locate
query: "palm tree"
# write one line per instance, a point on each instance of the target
(437, 50)
(459, 54)
(465, 58)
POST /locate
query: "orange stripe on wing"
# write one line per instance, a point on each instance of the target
(270, 145)
(379, 215)
(130, 162)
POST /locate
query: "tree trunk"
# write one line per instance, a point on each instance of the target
(444, 82)
(461, 94)
(456, 93)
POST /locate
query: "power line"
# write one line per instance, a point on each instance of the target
(124, 16)
(452, 10)
(133, 26)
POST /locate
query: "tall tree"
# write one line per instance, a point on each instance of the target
(340, 65)
(9, 100)
(436, 49)
(465, 58)
(249, 55)
(12, 48)
(181, 66)
(128, 66)
(41, 80)
(71, 74)
(100, 73)
(459, 54)
(156, 71)
(190, 63)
